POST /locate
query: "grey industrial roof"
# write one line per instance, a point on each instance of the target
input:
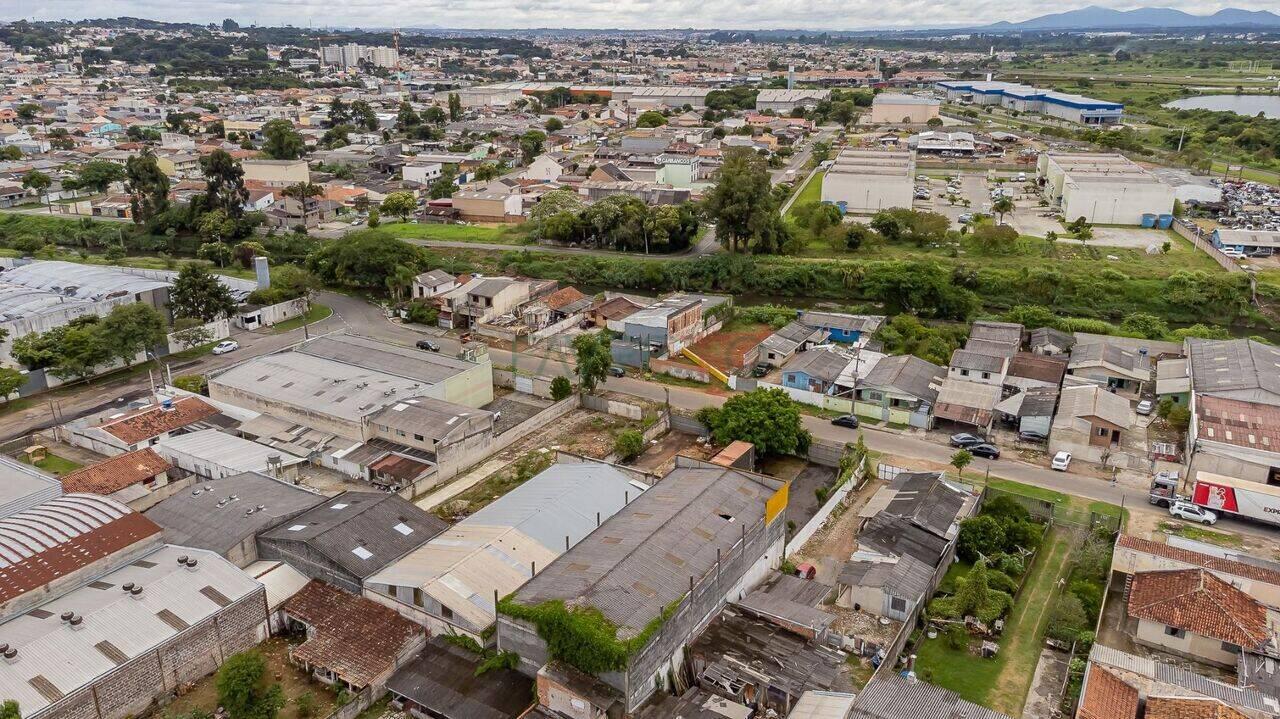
(896, 536)
(895, 697)
(383, 526)
(640, 561)
(429, 367)
(443, 679)
(17, 301)
(821, 363)
(225, 450)
(837, 320)
(82, 282)
(784, 95)
(904, 576)
(1235, 369)
(433, 418)
(1184, 679)
(898, 98)
(23, 486)
(205, 516)
(927, 500)
(318, 384)
(907, 374)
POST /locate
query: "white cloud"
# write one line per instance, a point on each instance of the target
(627, 14)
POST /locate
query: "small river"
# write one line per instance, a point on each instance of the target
(1248, 105)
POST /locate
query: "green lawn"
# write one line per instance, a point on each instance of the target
(57, 466)
(811, 192)
(314, 314)
(1199, 534)
(1002, 683)
(509, 235)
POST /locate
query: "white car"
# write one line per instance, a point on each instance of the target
(1061, 461)
(226, 346)
(1192, 513)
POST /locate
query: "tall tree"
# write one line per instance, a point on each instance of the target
(133, 328)
(198, 293)
(282, 141)
(11, 380)
(767, 418)
(401, 204)
(593, 359)
(97, 175)
(434, 115)
(339, 113)
(148, 186)
(531, 144)
(455, 107)
(407, 117)
(40, 182)
(742, 202)
(444, 185)
(225, 183)
(363, 116)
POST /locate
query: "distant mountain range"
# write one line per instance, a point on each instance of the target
(1100, 18)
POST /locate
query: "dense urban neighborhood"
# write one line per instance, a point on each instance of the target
(395, 373)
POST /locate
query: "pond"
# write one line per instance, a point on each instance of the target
(1248, 105)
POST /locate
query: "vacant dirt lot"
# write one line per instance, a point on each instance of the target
(725, 349)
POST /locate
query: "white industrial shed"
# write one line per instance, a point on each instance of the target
(784, 101)
(870, 180)
(1107, 189)
(215, 455)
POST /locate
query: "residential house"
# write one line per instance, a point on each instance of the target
(226, 516)
(482, 300)
(612, 312)
(1194, 613)
(1030, 410)
(968, 403)
(433, 284)
(122, 432)
(276, 173)
(779, 347)
(549, 166)
(884, 586)
(665, 327)
(815, 371)
(1008, 334)
(1111, 366)
(696, 539)
(1028, 370)
(916, 514)
(1050, 341)
(448, 584)
(1234, 398)
(1173, 381)
(138, 479)
(1135, 554)
(352, 642)
(1091, 422)
(897, 697)
(1170, 690)
(843, 328)
(452, 434)
(901, 390)
(289, 212)
(977, 367)
(350, 537)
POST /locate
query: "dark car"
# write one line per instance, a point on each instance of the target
(1031, 436)
(428, 345)
(847, 420)
(616, 371)
(988, 451)
(760, 370)
(965, 440)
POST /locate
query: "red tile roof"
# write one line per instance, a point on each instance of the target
(1207, 561)
(1189, 708)
(1106, 696)
(562, 297)
(116, 473)
(155, 421)
(1198, 601)
(25, 532)
(356, 638)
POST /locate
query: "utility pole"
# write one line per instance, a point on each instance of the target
(1181, 137)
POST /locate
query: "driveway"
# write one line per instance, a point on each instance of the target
(1027, 221)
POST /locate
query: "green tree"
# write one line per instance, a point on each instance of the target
(132, 328)
(10, 153)
(974, 597)
(339, 113)
(407, 117)
(10, 381)
(1002, 206)
(27, 111)
(554, 124)
(960, 460)
(980, 536)
(628, 444)
(97, 175)
(767, 418)
(82, 349)
(455, 107)
(374, 219)
(243, 689)
(1067, 618)
(651, 118)
(216, 252)
(561, 388)
(198, 293)
(38, 181)
(434, 115)
(1145, 325)
(148, 186)
(363, 116)
(336, 136)
(224, 178)
(555, 202)
(281, 141)
(742, 203)
(486, 172)
(401, 204)
(593, 359)
(444, 185)
(531, 143)
(362, 259)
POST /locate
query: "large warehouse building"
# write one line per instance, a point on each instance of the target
(895, 107)
(870, 180)
(1104, 189)
(784, 101)
(1025, 98)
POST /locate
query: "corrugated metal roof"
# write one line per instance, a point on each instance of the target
(225, 450)
(1170, 674)
(898, 698)
(23, 486)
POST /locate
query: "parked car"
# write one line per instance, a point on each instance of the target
(987, 451)
(1060, 461)
(1032, 436)
(965, 218)
(966, 440)
(226, 346)
(847, 420)
(616, 371)
(922, 178)
(1145, 407)
(427, 345)
(760, 370)
(1192, 513)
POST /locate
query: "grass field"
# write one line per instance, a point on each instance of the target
(57, 466)
(811, 192)
(1002, 683)
(313, 314)
(506, 235)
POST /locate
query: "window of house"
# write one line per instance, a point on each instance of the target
(1102, 431)
(1175, 632)
(399, 432)
(791, 378)
(1273, 477)
(446, 612)
(986, 375)
(874, 396)
(964, 373)
(419, 437)
(417, 596)
(898, 604)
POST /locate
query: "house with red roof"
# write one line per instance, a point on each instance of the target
(1195, 614)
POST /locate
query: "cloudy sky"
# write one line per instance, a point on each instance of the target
(632, 14)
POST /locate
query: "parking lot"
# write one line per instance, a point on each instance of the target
(973, 187)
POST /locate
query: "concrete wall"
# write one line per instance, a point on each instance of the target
(1190, 644)
(613, 407)
(1115, 203)
(1130, 562)
(679, 369)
